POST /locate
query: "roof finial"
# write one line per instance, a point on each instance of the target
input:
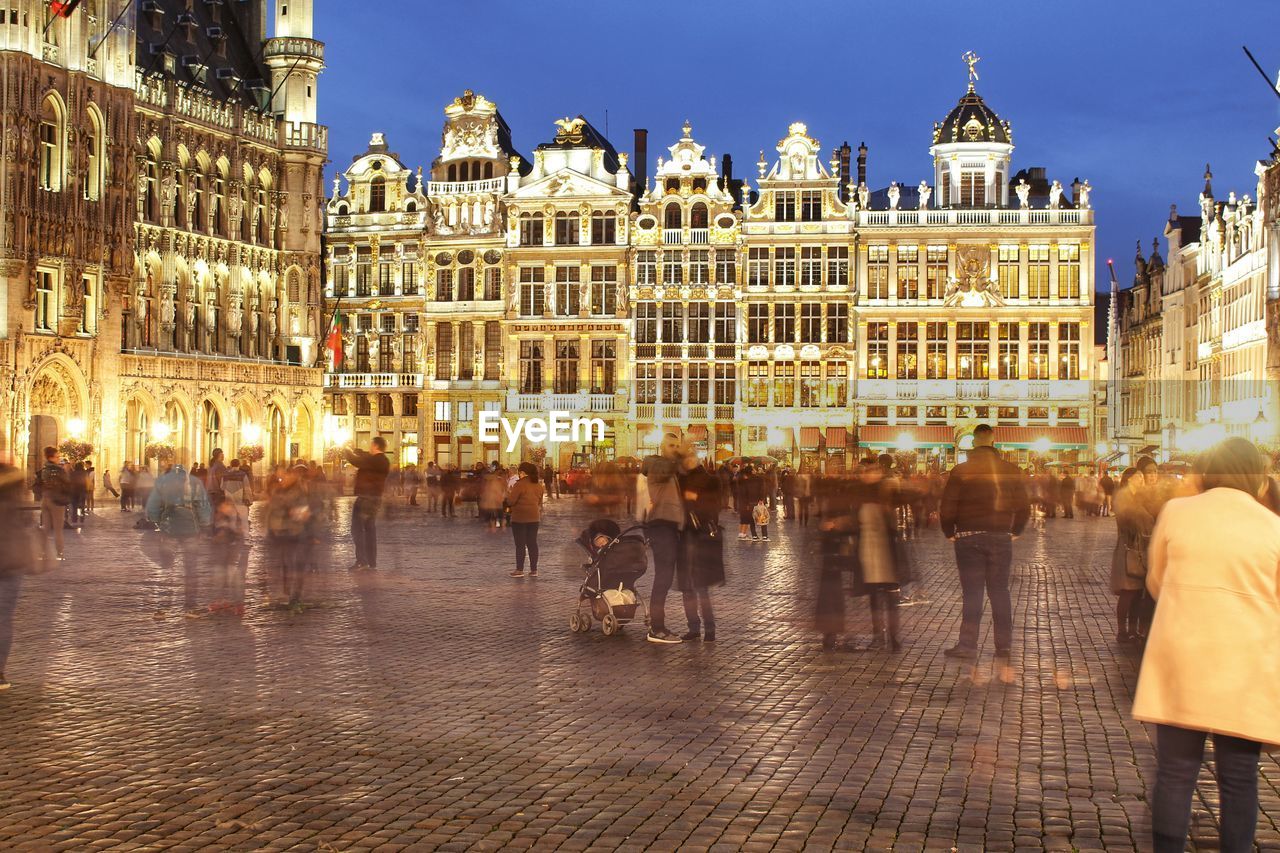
(1208, 181)
(971, 59)
(688, 128)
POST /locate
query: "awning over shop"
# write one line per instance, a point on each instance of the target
(810, 437)
(697, 432)
(1111, 457)
(905, 437)
(837, 438)
(1059, 437)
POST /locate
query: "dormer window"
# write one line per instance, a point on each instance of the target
(973, 130)
(377, 195)
(672, 185)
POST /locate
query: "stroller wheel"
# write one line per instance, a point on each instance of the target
(609, 625)
(575, 622)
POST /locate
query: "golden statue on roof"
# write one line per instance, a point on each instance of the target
(971, 59)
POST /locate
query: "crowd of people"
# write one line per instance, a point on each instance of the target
(1195, 568)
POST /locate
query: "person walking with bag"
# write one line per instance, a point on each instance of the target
(703, 566)
(1129, 561)
(1211, 666)
(179, 507)
(660, 506)
(984, 508)
(525, 503)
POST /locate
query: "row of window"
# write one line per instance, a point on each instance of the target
(901, 271)
(202, 203)
(49, 301)
(566, 229)
(896, 349)
(565, 358)
(1006, 415)
(566, 296)
(52, 143)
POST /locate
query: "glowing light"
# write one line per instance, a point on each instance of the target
(75, 428)
(334, 432)
(652, 437)
(1101, 448)
(1042, 444)
(160, 431)
(251, 433)
(905, 441)
(1202, 438)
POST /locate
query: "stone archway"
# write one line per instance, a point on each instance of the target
(303, 433)
(57, 401)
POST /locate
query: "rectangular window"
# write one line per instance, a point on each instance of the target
(726, 266)
(758, 267)
(877, 350)
(647, 266)
(837, 323)
(935, 271)
(1007, 414)
(533, 292)
(699, 322)
(409, 277)
(531, 367)
(757, 383)
(726, 384)
(908, 272)
(811, 205)
(758, 323)
(646, 383)
(1038, 351)
(386, 280)
(877, 414)
(672, 382)
(411, 322)
(365, 322)
(47, 301)
(466, 351)
(493, 284)
(604, 290)
(646, 323)
(908, 414)
(568, 229)
(973, 188)
(1008, 351)
(566, 376)
(50, 168)
(604, 228)
(810, 384)
(1068, 271)
(726, 323)
(568, 291)
(877, 272)
(784, 323)
(973, 350)
(1007, 271)
(364, 271)
(784, 266)
(466, 284)
(810, 322)
(784, 383)
(386, 322)
(837, 266)
(444, 285)
(409, 358)
(342, 279)
(672, 322)
(363, 407)
(386, 408)
(1038, 272)
(531, 229)
(492, 349)
(1068, 350)
(699, 266)
(444, 351)
(89, 311)
(811, 266)
(906, 355)
(699, 383)
(672, 266)
(784, 206)
(837, 384)
(443, 411)
(604, 367)
(362, 354)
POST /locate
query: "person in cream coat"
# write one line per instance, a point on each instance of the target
(1211, 665)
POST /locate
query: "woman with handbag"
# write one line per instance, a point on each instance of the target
(881, 568)
(1129, 561)
(1211, 666)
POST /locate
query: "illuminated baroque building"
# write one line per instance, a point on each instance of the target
(162, 229)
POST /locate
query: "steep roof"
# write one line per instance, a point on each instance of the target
(971, 120)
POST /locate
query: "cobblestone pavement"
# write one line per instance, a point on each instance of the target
(438, 704)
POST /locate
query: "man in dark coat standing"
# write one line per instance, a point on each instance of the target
(985, 507)
(703, 566)
(372, 469)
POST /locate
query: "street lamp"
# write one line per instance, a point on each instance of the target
(1172, 430)
(160, 431)
(251, 433)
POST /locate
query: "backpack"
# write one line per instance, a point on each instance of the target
(180, 519)
(54, 485)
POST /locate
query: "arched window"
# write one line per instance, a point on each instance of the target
(411, 206)
(212, 429)
(151, 197)
(295, 287)
(53, 135)
(453, 172)
(343, 210)
(199, 223)
(671, 217)
(93, 145)
(377, 195)
(263, 213)
(219, 201)
(698, 216)
(488, 171)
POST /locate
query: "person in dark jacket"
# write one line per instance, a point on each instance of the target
(703, 566)
(660, 505)
(985, 507)
(53, 491)
(15, 557)
(372, 469)
(836, 497)
(524, 500)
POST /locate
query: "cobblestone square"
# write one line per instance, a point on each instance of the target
(439, 704)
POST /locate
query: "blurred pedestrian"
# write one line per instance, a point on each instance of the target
(179, 507)
(1129, 560)
(79, 480)
(91, 485)
(288, 514)
(127, 475)
(760, 520)
(1210, 666)
(660, 506)
(372, 468)
(984, 508)
(108, 485)
(525, 503)
(213, 478)
(230, 556)
(53, 491)
(493, 491)
(703, 566)
(16, 557)
(881, 565)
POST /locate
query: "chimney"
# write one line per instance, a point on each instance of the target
(845, 152)
(726, 169)
(862, 164)
(641, 161)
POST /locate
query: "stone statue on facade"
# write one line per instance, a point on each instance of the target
(925, 192)
(894, 195)
(235, 318)
(1023, 191)
(1055, 195)
(271, 320)
(864, 197)
(1083, 195)
(167, 309)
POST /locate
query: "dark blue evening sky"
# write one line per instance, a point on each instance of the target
(1134, 96)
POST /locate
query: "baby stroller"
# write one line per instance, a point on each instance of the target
(618, 559)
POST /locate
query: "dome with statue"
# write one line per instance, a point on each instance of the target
(971, 120)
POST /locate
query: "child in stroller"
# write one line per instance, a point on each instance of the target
(617, 559)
